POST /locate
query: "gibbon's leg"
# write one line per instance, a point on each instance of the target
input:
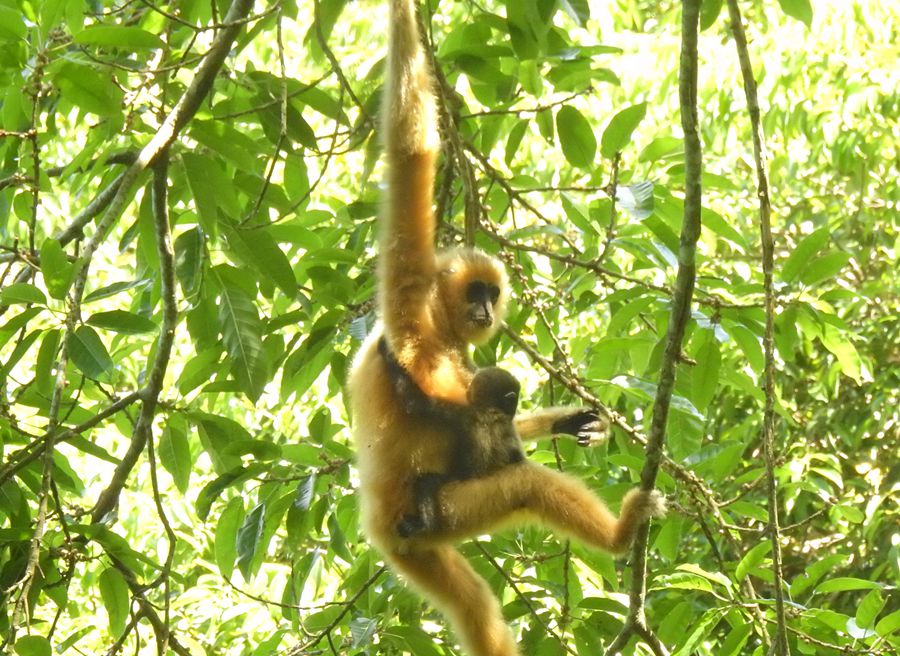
(588, 426)
(444, 576)
(531, 491)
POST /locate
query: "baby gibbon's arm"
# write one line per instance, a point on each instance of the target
(586, 425)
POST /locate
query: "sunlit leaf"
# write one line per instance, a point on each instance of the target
(115, 595)
(124, 37)
(248, 539)
(799, 9)
(22, 292)
(56, 268)
(120, 321)
(88, 352)
(617, 134)
(175, 452)
(230, 521)
(33, 645)
(576, 138)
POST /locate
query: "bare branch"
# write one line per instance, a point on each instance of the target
(779, 645)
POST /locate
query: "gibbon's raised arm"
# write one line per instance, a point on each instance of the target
(411, 142)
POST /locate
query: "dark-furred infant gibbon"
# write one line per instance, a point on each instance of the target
(483, 436)
(433, 305)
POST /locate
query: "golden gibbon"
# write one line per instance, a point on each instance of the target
(432, 306)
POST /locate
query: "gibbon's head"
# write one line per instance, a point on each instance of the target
(493, 387)
(472, 293)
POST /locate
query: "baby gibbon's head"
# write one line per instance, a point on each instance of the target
(493, 387)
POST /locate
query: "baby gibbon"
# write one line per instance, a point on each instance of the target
(483, 436)
(433, 306)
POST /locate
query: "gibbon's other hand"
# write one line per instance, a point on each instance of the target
(587, 425)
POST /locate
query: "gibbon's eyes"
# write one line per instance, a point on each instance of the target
(479, 292)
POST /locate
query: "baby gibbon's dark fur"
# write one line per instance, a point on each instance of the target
(483, 436)
(433, 305)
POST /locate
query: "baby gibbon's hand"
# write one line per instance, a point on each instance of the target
(589, 426)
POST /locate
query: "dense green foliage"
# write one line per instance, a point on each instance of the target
(233, 528)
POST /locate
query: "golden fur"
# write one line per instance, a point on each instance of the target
(422, 300)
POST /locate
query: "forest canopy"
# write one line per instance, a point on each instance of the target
(189, 200)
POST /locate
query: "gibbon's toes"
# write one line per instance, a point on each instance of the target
(656, 504)
(645, 504)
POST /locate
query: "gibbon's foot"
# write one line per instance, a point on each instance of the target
(410, 525)
(646, 504)
(589, 427)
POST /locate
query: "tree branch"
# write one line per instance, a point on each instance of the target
(158, 147)
(779, 645)
(681, 311)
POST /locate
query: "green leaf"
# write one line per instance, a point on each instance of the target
(199, 369)
(824, 267)
(734, 643)
(248, 539)
(888, 624)
(751, 559)
(579, 10)
(845, 583)
(514, 139)
(33, 645)
(22, 292)
(576, 137)
(203, 189)
(88, 89)
(116, 599)
(213, 490)
(88, 353)
(668, 538)
(120, 321)
(709, 12)
(257, 248)
(230, 520)
(700, 630)
(12, 25)
(175, 452)
(45, 363)
(115, 288)
(837, 341)
(803, 253)
(717, 223)
(242, 333)
(799, 9)
(814, 573)
(868, 609)
(189, 259)
(56, 268)
(748, 343)
(618, 133)
(118, 36)
(705, 375)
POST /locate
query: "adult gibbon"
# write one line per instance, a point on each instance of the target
(483, 436)
(433, 305)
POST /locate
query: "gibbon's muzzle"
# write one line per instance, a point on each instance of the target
(481, 316)
(481, 297)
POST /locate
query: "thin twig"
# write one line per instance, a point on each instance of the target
(779, 645)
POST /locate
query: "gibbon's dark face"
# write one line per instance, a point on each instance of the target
(481, 297)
